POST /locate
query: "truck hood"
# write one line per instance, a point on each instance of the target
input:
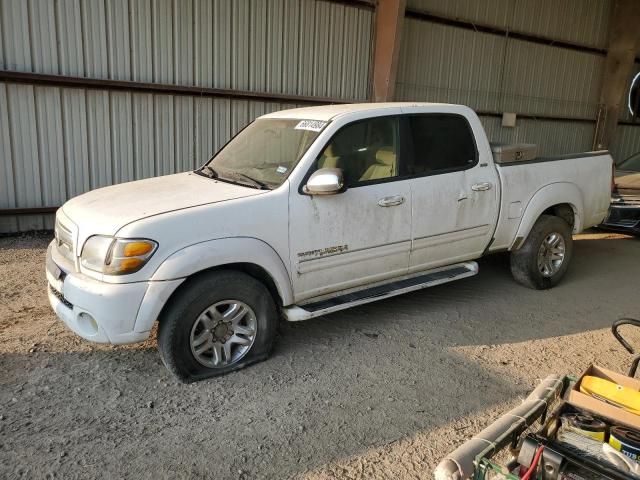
(106, 210)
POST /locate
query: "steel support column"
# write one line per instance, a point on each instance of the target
(389, 20)
(624, 44)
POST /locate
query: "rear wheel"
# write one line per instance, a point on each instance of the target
(218, 322)
(543, 259)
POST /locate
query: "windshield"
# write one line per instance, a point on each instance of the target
(264, 153)
(631, 164)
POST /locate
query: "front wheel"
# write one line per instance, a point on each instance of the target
(543, 259)
(216, 323)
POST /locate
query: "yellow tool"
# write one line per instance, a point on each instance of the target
(612, 393)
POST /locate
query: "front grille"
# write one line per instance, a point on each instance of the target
(60, 297)
(64, 240)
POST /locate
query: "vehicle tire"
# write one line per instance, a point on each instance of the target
(216, 323)
(544, 257)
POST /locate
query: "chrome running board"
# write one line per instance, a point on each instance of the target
(395, 287)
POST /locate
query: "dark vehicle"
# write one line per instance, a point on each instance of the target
(624, 213)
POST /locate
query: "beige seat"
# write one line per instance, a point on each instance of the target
(384, 167)
(328, 159)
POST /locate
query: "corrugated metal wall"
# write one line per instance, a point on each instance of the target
(498, 73)
(59, 142)
(490, 72)
(585, 22)
(627, 142)
(303, 47)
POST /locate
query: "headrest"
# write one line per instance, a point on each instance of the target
(386, 156)
(328, 152)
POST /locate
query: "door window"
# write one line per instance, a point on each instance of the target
(366, 151)
(441, 143)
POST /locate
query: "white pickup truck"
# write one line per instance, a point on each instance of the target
(306, 212)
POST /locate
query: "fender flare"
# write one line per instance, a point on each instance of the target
(216, 253)
(548, 196)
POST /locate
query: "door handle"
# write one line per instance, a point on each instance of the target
(481, 187)
(391, 201)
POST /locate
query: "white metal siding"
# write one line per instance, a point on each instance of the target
(56, 143)
(543, 80)
(440, 63)
(490, 72)
(301, 47)
(59, 142)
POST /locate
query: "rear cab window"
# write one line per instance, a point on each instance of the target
(439, 143)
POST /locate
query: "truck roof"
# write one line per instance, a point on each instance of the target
(329, 112)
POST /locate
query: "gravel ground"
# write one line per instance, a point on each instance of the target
(380, 391)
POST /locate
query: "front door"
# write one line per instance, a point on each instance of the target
(454, 192)
(363, 234)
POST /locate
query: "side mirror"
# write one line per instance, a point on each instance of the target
(325, 181)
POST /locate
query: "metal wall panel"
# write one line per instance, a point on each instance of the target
(43, 34)
(70, 40)
(306, 47)
(119, 33)
(552, 137)
(448, 64)
(585, 22)
(487, 12)
(23, 134)
(7, 177)
(627, 142)
(140, 29)
(544, 80)
(439, 63)
(16, 32)
(50, 140)
(56, 143)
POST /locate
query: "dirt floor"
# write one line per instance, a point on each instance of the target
(380, 391)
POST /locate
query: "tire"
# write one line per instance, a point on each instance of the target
(525, 266)
(197, 336)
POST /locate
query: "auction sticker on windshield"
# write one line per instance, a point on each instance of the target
(313, 125)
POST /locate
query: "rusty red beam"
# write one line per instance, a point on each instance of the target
(27, 211)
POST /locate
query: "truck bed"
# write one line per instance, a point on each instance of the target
(520, 184)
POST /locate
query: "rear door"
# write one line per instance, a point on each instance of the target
(454, 191)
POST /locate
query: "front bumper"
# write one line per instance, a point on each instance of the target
(105, 312)
(623, 218)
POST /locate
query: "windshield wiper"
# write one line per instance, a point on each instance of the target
(207, 171)
(256, 183)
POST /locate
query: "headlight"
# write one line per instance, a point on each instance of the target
(95, 251)
(116, 256)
